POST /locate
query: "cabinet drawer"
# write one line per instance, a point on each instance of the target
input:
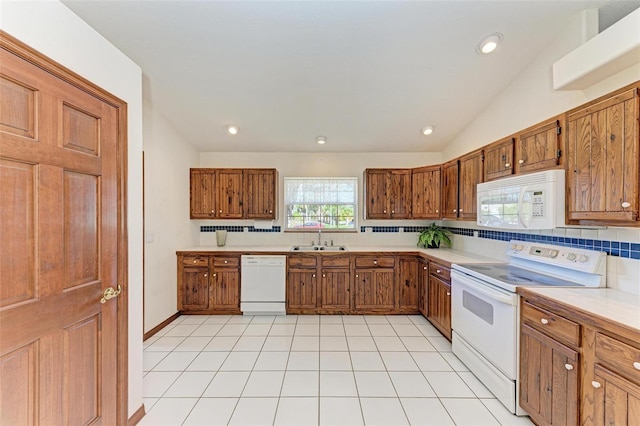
(226, 261)
(303, 262)
(335, 261)
(621, 357)
(375, 262)
(440, 271)
(552, 325)
(195, 260)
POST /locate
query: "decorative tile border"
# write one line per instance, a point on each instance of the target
(237, 228)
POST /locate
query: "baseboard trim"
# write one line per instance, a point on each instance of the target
(160, 326)
(137, 416)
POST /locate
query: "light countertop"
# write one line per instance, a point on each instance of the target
(444, 254)
(614, 305)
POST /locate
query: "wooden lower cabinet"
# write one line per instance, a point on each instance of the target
(549, 374)
(336, 289)
(374, 289)
(439, 302)
(302, 289)
(616, 399)
(407, 285)
(423, 283)
(225, 286)
(194, 291)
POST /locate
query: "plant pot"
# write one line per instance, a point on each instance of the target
(433, 246)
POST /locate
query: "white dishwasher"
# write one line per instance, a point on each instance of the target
(263, 285)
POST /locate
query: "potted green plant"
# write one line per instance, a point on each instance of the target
(433, 236)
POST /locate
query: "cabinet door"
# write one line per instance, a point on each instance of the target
(336, 289)
(423, 281)
(498, 159)
(400, 194)
(603, 161)
(616, 400)
(260, 193)
(225, 289)
(549, 374)
(408, 285)
(439, 300)
(229, 193)
(377, 193)
(301, 289)
(374, 289)
(425, 191)
(202, 193)
(194, 289)
(450, 190)
(471, 174)
(539, 148)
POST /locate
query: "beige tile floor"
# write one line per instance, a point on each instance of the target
(311, 370)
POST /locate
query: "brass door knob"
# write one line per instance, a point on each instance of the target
(110, 293)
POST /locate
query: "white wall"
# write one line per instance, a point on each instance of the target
(51, 28)
(530, 97)
(167, 159)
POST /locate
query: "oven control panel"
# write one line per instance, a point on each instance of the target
(567, 257)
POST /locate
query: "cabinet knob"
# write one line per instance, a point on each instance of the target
(384, 211)
(215, 275)
(357, 275)
(220, 211)
(314, 275)
(213, 211)
(226, 261)
(595, 384)
(448, 293)
(270, 211)
(626, 205)
(507, 165)
(438, 271)
(520, 161)
(393, 211)
(455, 210)
(195, 261)
(568, 367)
(460, 210)
(544, 321)
(437, 211)
(375, 262)
(636, 365)
(424, 267)
(206, 275)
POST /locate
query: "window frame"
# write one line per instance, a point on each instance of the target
(355, 204)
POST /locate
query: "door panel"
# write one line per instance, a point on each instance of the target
(60, 225)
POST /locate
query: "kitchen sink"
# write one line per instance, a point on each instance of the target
(319, 248)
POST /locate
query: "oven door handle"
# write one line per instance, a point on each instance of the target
(508, 299)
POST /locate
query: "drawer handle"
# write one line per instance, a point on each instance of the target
(226, 261)
(636, 365)
(195, 261)
(544, 321)
(568, 367)
(375, 262)
(595, 384)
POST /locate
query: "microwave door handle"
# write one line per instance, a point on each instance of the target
(522, 192)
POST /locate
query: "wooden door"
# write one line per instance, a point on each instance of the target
(202, 190)
(450, 190)
(423, 281)
(425, 190)
(408, 284)
(538, 148)
(616, 399)
(336, 289)
(439, 300)
(400, 194)
(377, 193)
(229, 188)
(260, 193)
(549, 373)
(301, 289)
(60, 230)
(603, 160)
(194, 291)
(374, 289)
(498, 159)
(471, 174)
(225, 289)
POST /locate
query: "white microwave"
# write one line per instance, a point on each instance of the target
(531, 201)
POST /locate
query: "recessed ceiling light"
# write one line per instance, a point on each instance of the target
(489, 43)
(427, 130)
(321, 140)
(234, 130)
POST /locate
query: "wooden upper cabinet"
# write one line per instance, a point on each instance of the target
(388, 193)
(602, 175)
(203, 193)
(498, 159)
(260, 193)
(538, 148)
(450, 190)
(471, 174)
(425, 190)
(229, 193)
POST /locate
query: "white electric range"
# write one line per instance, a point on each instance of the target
(485, 308)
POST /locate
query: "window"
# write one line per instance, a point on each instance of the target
(327, 203)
